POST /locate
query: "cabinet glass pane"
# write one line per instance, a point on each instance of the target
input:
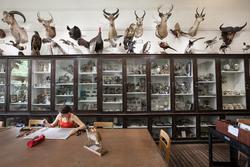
(186, 126)
(137, 122)
(117, 121)
(41, 79)
(183, 72)
(207, 121)
(233, 84)
(160, 85)
(19, 85)
(87, 84)
(161, 122)
(206, 84)
(112, 85)
(64, 83)
(136, 85)
(2, 84)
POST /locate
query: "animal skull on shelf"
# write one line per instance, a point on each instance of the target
(19, 33)
(161, 28)
(50, 30)
(139, 24)
(199, 17)
(228, 33)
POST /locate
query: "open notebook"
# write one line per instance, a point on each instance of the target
(51, 133)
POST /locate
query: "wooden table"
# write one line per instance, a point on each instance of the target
(126, 148)
(235, 146)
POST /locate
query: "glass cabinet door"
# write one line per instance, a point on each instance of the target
(186, 126)
(2, 84)
(160, 85)
(64, 83)
(206, 84)
(233, 84)
(112, 85)
(19, 84)
(87, 84)
(136, 85)
(205, 123)
(161, 122)
(41, 79)
(183, 72)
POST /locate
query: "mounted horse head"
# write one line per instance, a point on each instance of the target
(161, 28)
(228, 33)
(111, 18)
(199, 17)
(139, 24)
(50, 30)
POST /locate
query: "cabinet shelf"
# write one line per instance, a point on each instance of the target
(87, 84)
(87, 101)
(2, 84)
(160, 94)
(184, 94)
(160, 75)
(183, 76)
(19, 103)
(40, 104)
(41, 72)
(136, 93)
(112, 84)
(36, 87)
(112, 94)
(207, 96)
(87, 73)
(59, 84)
(111, 71)
(160, 127)
(206, 82)
(234, 95)
(231, 72)
(2, 72)
(136, 75)
(113, 102)
(64, 95)
(62, 104)
(185, 126)
(206, 126)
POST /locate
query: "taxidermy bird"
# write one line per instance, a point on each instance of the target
(19, 47)
(245, 47)
(224, 48)
(94, 137)
(36, 43)
(129, 35)
(188, 49)
(146, 47)
(165, 45)
(2, 33)
(210, 42)
(177, 31)
(94, 45)
(67, 42)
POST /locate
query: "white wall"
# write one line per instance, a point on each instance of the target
(87, 14)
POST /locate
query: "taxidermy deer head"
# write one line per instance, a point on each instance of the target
(139, 24)
(50, 30)
(228, 33)
(199, 17)
(19, 33)
(111, 18)
(161, 28)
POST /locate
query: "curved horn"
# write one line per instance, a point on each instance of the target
(197, 11)
(243, 26)
(172, 7)
(202, 11)
(144, 13)
(221, 28)
(18, 13)
(135, 14)
(159, 9)
(117, 11)
(104, 11)
(51, 18)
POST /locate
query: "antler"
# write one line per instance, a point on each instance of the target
(39, 18)
(104, 11)
(172, 7)
(117, 11)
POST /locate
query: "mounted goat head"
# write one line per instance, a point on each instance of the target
(111, 18)
(50, 30)
(161, 28)
(19, 33)
(139, 24)
(199, 17)
(74, 33)
(228, 33)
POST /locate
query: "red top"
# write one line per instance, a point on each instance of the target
(67, 124)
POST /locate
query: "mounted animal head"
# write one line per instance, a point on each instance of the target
(51, 31)
(74, 33)
(199, 17)
(111, 16)
(228, 33)
(139, 20)
(165, 16)
(8, 17)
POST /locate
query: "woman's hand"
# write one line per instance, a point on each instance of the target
(45, 123)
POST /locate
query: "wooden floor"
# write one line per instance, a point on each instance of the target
(196, 155)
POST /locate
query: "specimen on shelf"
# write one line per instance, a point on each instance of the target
(188, 49)
(210, 42)
(131, 46)
(139, 24)
(146, 47)
(2, 33)
(36, 44)
(161, 27)
(245, 47)
(129, 35)
(50, 30)
(19, 47)
(19, 33)
(74, 32)
(177, 32)
(165, 45)
(199, 17)
(111, 17)
(228, 33)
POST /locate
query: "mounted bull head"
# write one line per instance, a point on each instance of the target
(74, 33)
(161, 28)
(19, 33)
(228, 33)
(111, 18)
(50, 30)
(199, 17)
(139, 24)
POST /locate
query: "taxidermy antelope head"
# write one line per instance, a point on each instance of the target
(50, 30)
(161, 28)
(199, 17)
(139, 24)
(228, 33)
(111, 18)
(19, 33)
